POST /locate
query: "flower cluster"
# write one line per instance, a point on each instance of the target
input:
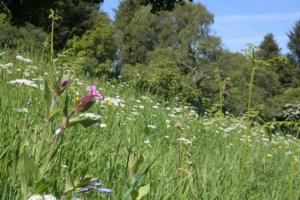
(42, 197)
(23, 82)
(21, 58)
(93, 186)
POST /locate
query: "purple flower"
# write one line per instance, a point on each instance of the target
(87, 101)
(84, 190)
(104, 190)
(96, 183)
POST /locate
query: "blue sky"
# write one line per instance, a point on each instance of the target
(239, 22)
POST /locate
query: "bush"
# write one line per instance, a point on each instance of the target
(27, 37)
(94, 47)
(161, 76)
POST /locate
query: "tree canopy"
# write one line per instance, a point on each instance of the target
(294, 42)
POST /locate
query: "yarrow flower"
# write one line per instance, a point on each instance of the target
(102, 125)
(151, 126)
(21, 110)
(7, 65)
(42, 197)
(114, 101)
(184, 140)
(23, 82)
(21, 58)
(90, 116)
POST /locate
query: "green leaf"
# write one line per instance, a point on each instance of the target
(83, 122)
(143, 191)
(42, 185)
(136, 165)
(54, 113)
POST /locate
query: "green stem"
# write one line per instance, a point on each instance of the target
(248, 129)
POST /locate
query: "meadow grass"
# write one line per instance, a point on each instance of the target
(182, 155)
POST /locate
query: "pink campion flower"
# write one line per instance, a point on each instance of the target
(87, 101)
(94, 93)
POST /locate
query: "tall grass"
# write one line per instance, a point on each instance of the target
(181, 156)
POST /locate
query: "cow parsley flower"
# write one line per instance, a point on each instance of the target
(151, 126)
(23, 82)
(21, 58)
(102, 125)
(7, 65)
(90, 116)
(21, 110)
(184, 140)
(42, 197)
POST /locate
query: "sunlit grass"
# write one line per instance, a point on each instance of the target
(194, 157)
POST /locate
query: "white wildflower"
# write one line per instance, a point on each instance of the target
(35, 197)
(155, 107)
(40, 197)
(184, 140)
(135, 113)
(102, 125)
(288, 153)
(2, 53)
(178, 110)
(114, 101)
(23, 82)
(172, 115)
(21, 58)
(57, 131)
(141, 107)
(151, 126)
(21, 110)
(147, 142)
(90, 116)
(7, 65)
(26, 73)
(49, 197)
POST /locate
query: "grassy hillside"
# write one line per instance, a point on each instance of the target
(141, 146)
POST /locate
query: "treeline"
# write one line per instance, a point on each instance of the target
(168, 53)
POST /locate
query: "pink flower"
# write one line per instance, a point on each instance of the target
(87, 101)
(94, 93)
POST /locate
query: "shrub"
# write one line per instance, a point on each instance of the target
(27, 37)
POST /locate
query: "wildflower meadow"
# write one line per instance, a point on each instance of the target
(94, 139)
(147, 106)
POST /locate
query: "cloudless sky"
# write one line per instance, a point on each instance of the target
(239, 22)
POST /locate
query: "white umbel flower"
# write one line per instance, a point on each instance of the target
(102, 125)
(90, 116)
(151, 126)
(21, 58)
(42, 197)
(21, 110)
(23, 82)
(184, 140)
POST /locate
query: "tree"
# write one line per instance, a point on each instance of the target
(268, 48)
(294, 42)
(158, 5)
(95, 46)
(181, 30)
